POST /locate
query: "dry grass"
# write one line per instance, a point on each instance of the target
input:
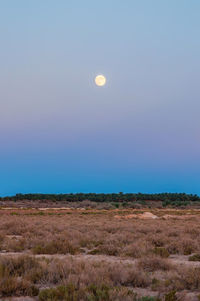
(26, 275)
(98, 234)
(150, 242)
(39, 272)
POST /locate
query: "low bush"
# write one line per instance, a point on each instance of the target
(148, 299)
(109, 250)
(90, 293)
(162, 252)
(171, 296)
(131, 276)
(195, 257)
(152, 264)
(17, 266)
(55, 247)
(191, 279)
(13, 286)
(100, 293)
(62, 293)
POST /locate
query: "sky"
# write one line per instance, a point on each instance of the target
(60, 133)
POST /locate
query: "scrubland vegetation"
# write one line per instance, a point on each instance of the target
(107, 201)
(93, 255)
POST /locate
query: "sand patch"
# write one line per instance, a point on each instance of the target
(168, 216)
(15, 237)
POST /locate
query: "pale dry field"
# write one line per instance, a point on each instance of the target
(73, 254)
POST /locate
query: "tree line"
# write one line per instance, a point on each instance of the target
(106, 197)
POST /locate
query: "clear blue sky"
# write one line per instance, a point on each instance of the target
(61, 133)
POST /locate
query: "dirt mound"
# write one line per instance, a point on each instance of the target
(145, 215)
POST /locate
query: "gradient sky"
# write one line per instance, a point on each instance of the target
(60, 133)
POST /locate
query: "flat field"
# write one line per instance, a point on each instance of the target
(93, 255)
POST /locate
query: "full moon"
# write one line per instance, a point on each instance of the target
(100, 80)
